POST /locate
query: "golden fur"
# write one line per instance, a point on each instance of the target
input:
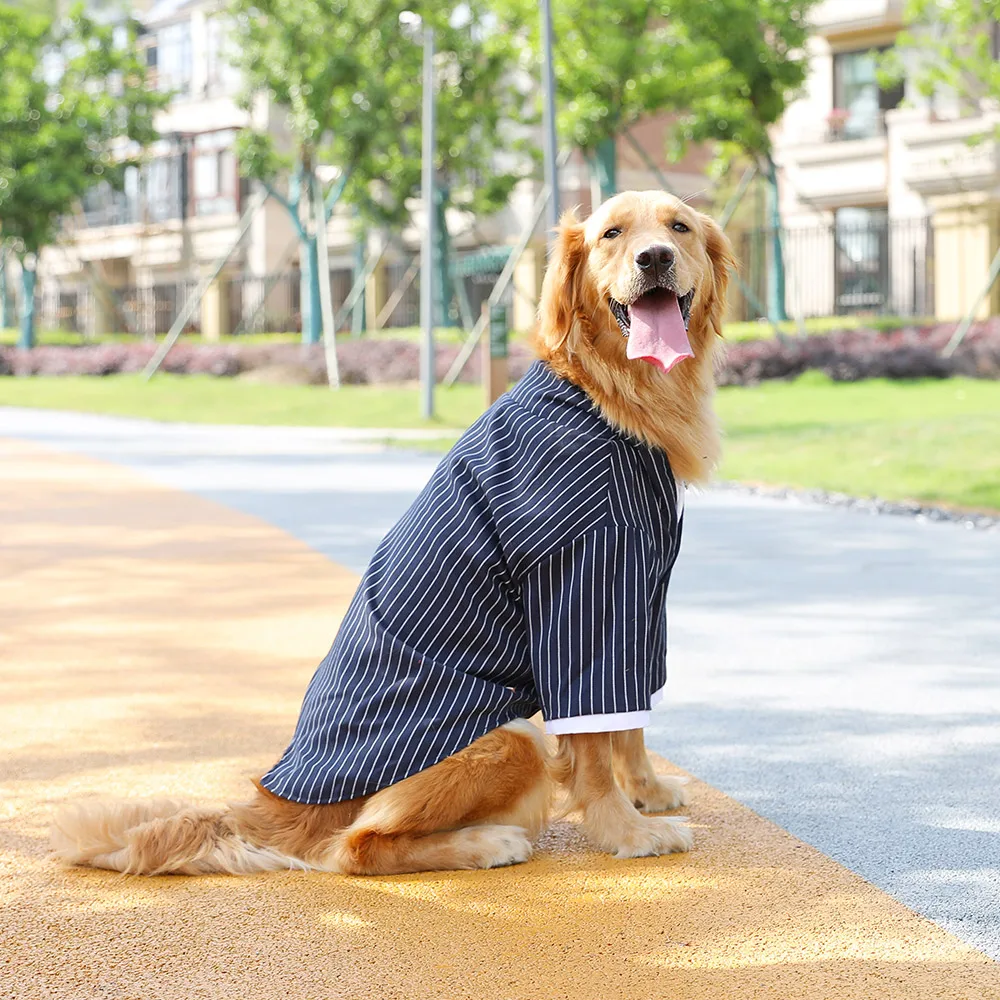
(483, 806)
(579, 337)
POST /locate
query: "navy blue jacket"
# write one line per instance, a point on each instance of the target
(530, 573)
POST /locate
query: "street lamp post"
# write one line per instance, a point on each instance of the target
(549, 118)
(427, 245)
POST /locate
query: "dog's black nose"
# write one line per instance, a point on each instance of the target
(656, 257)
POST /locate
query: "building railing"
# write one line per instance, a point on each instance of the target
(886, 267)
(145, 310)
(153, 192)
(271, 303)
(843, 126)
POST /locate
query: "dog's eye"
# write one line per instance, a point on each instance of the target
(679, 227)
(612, 233)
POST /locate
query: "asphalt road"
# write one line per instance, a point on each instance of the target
(836, 671)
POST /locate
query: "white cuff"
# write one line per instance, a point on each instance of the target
(613, 722)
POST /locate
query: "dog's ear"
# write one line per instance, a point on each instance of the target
(561, 286)
(723, 260)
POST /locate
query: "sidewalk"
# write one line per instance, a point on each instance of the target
(155, 643)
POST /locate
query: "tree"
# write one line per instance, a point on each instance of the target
(726, 68)
(762, 64)
(74, 110)
(349, 76)
(949, 45)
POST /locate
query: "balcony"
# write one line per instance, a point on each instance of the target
(837, 17)
(152, 193)
(847, 126)
(942, 157)
(847, 171)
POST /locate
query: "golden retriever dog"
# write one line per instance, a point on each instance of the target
(568, 525)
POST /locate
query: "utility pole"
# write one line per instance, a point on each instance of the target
(549, 118)
(427, 245)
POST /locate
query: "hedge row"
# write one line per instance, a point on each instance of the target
(846, 356)
(361, 362)
(851, 355)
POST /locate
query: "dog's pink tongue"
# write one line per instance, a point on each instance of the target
(656, 332)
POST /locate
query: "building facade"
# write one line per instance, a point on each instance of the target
(886, 206)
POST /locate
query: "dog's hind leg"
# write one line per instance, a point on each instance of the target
(476, 809)
(479, 808)
(645, 789)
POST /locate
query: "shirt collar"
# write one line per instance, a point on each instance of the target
(544, 392)
(541, 389)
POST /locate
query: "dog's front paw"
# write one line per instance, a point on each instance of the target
(660, 794)
(651, 836)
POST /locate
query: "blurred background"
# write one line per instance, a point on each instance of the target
(249, 178)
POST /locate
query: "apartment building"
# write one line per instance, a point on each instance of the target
(887, 207)
(180, 211)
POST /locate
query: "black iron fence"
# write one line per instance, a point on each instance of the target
(268, 303)
(144, 310)
(885, 267)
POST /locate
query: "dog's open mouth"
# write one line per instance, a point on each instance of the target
(656, 297)
(656, 325)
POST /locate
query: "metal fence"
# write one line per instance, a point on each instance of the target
(270, 303)
(471, 279)
(64, 307)
(886, 267)
(145, 310)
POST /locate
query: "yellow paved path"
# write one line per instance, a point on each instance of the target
(152, 642)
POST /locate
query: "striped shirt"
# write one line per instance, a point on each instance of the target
(530, 573)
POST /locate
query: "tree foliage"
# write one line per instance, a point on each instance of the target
(726, 68)
(74, 112)
(348, 72)
(949, 45)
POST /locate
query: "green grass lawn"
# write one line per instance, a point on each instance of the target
(935, 441)
(204, 399)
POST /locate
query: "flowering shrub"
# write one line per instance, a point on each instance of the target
(851, 355)
(361, 362)
(846, 356)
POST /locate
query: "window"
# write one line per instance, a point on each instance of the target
(162, 177)
(861, 259)
(214, 174)
(858, 96)
(133, 195)
(173, 58)
(220, 76)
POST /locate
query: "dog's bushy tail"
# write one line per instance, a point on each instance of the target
(158, 837)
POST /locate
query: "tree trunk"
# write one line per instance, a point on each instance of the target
(358, 312)
(27, 338)
(444, 287)
(6, 299)
(312, 314)
(776, 272)
(604, 172)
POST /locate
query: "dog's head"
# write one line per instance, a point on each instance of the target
(631, 306)
(646, 269)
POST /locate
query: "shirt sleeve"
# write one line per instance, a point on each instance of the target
(596, 620)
